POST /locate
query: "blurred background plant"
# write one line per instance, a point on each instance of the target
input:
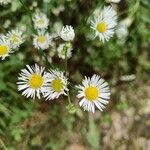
(123, 61)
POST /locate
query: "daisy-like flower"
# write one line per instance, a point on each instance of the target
(64, 49)
(42, 40)
(16, 38)
(4, 2)
(105, 23)
(93, 92)
(67, 33)
(57, 85)
(31, 81)
(40, 21)
(5, 47)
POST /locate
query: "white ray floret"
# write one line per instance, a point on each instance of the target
(105, 23)
(67, 33)
(42, 40)
(5, 47)
(64, 49)
(94, 92)
(16, 38)
(40, 21)
(31, 81)
(57, 85)
(112, 1)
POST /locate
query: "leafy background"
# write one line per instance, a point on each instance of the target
(37, 124)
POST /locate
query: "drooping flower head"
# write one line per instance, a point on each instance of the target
(42, 40)
(105, 23)
(5, 47)
(40, 21)
(93, 92)
(57, 85)
(31, 81)
(16, 38)
(67, 33)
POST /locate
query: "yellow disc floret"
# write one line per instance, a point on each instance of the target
(57, 84)
(40, 22)
(101, 27)
(36, 81)
(15, 39)
(91, 93)
(4, 50)
(41, 39)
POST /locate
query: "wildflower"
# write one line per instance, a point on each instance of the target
(40, 21)
(42, 40)
(104, 24)
(31, 81)
(57, 85)
(64, 49)
(5, 47)
(93, 92)
(4, 2)
(122, 31)
(16, 38)
(67, 33)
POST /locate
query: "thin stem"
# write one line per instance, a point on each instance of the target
(66, 68)
(66, 61)
(69, 100)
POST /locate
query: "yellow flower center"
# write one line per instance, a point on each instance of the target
(15, 39)
(36, 81)
(57, 84)
(101, 27)
(40, 22)
(4, 50)
(41, 39)
(91, 93)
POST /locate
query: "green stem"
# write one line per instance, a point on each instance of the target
(66, 68)
(66, 61)
(69, 100)
(135, 8)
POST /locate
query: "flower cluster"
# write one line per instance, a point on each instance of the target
(42, 40)
(10, 42)
(35, 82)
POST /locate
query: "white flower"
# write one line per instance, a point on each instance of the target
(122, 32)
(104, 24)
(112, 1)
(93, 92)
(4, 2)
(16, 38)
(67, 33)
(31, 81)
(42, 40)
(5, 47)
(122, 28)
(64, 49)
(40, 21)
(57, 85)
